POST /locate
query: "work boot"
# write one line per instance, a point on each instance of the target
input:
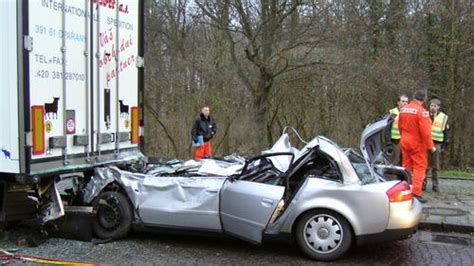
(435, 188)
(421, 199)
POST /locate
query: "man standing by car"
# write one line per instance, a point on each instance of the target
(204, 127)
(416, 140)
(395, 132)
(439, 129)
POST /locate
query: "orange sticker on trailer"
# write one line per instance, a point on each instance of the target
(37, 119)
(135, 134)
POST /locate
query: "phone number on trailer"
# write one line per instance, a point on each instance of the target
(46, 74)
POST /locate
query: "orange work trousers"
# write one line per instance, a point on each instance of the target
(203, 151)
(415, 160)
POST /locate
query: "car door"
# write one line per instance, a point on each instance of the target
(247, 206)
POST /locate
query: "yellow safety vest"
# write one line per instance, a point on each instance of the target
(395, 132)
(438, 126)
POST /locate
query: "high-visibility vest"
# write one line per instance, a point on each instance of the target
(395, 132)
(438, 126)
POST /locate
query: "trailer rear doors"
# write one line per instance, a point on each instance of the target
(83, 77)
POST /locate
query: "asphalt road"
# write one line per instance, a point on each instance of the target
(145, 249)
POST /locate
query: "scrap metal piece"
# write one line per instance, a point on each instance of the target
(211, 167)
(51, 207)
(235, 158)
(282, 163)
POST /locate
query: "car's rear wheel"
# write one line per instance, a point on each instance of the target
(323, 235)
(113, 215)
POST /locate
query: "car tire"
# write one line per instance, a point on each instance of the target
(323, 235)
(113, 217)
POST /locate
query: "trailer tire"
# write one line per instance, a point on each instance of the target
(113, 217)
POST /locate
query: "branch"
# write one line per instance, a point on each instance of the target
(167, 133)
(299, 66)
(227, 129)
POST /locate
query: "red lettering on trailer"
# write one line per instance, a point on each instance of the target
(111, 4)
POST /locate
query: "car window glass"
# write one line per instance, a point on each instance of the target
(360, 167)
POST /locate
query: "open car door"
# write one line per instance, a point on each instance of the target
(247, 201)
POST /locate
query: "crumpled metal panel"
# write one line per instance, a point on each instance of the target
(53, 207)
(235, 158)
(106, 175)
(181, 201)
(211, 167)
(204, 167)
(282, 163)
(164, 200)
(132, 182)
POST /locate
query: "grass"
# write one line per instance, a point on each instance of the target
(456, 173)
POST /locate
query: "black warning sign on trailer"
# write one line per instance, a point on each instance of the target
(107, 117)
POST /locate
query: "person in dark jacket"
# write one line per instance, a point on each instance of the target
(204, 127)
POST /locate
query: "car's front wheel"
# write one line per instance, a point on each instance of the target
(323, 235)
(113, 215)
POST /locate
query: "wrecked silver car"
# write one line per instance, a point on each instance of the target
(325, 197)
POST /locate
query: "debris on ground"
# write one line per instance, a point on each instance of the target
(10, 257)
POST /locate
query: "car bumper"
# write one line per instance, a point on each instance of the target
(404, 215)
(403, 223)
(386, 236)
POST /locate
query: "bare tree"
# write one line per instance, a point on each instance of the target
(324, 67)
(275, 37)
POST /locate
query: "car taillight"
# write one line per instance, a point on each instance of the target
(400, 192)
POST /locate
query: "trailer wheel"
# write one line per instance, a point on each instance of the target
(113, 215)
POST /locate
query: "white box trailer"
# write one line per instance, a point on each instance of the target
(71, 87)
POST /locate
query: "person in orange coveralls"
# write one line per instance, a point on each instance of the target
(204, 127)
(415, 130)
